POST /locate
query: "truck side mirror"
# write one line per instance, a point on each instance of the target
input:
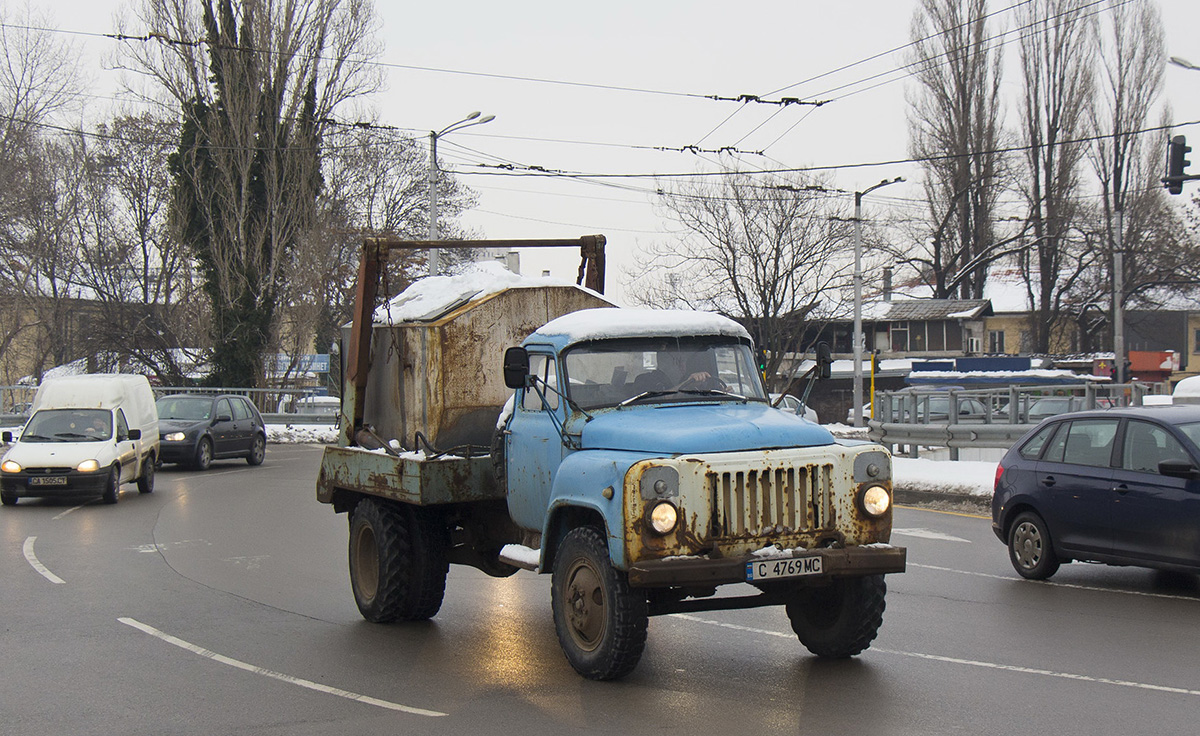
(516, 367)
(824, 360)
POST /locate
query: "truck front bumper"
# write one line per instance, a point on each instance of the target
(835, 563)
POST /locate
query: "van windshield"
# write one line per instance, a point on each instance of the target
(69, 425)
(607, 373)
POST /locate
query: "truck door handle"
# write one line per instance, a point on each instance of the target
(1048, 480)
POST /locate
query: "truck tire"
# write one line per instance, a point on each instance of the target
(398, 561)
(841, 619)
(601, 622)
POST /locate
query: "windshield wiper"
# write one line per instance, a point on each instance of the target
(647, 395)
(712, 392)
(71, 434)
(36, 437)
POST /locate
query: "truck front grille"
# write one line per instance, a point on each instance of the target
(752, 503)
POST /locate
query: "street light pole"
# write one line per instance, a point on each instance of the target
(432, 179)
(1183, 63)
(857, 337)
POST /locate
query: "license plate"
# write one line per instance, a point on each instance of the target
(788, 568)
(48, 480)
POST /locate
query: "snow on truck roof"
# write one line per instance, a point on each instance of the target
(429, 298)
(599, 324)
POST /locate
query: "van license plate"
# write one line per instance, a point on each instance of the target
(48, 480)
(789, 568)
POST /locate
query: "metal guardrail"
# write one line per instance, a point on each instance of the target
(912, 418)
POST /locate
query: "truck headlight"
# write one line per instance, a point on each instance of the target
(876, 500)
(663, 517)
(11, 466)
(174, 437)
(88, 466)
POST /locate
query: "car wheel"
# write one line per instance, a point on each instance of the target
(145, 483)
(8, 499)
(112, 487)
(258, 451)
(204, 454)
(1030, 548)
(600, 621)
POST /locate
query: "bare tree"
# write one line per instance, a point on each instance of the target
(254, 80)
(764, 251)
(1057, 54)
(956, 131)
(1128, 163)
(146, 306)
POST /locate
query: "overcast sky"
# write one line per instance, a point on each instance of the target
(675, 52)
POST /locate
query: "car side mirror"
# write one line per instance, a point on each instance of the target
(6, 437)
(516, 367)
(824, 360)
(135, 434)
(224, 418)
(1177, 469)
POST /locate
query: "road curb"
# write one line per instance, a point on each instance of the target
(915, 496)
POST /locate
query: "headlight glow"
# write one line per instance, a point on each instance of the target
(663, 517)
(11, 466)
(174, 437)
(88, 466)
(876, 501)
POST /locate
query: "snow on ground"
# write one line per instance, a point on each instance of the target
(306, 434)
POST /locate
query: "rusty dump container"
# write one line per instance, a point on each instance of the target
(441, 375)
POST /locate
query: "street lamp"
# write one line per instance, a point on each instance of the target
(856, 338)
(468, 121)
(1177, 61)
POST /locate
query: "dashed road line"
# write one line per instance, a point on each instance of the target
(965, 662)
(309, 684)
(33, 561)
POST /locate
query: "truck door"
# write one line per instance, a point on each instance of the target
(533, 445)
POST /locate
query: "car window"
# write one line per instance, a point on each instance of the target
(223, 409)
(1146, 445)
(1084, 442)
(122, 426)
(1033, 447)
(1192, 430)
(541, 366)
(240, 410)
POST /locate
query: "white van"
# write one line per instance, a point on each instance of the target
(86, 435)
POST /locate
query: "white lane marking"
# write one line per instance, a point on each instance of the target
(275, 675)
(73, 508)
(32, 559)
(966, 662)
(929, 534)
(1052, 584)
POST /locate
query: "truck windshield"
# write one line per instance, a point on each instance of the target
(610, 372)
(68, 425)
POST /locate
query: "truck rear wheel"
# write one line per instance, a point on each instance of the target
(841, 619)
(601, 622)
(397, 561)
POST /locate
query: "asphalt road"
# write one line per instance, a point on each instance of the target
(220, 604)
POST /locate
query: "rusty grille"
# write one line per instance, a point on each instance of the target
(751, 503)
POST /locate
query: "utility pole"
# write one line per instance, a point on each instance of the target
(432, 180)
(857, 337)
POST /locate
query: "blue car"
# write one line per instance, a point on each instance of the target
(1118, 486)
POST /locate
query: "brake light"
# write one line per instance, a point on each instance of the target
(999, 472)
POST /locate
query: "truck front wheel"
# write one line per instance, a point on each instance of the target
(841, 619)
(601, 622)
(397, 561)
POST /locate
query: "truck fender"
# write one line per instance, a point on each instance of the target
(588, 487)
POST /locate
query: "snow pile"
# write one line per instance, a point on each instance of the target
(306, 434)
(430, 297)
(974, 477)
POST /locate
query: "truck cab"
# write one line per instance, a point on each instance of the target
(643, 441)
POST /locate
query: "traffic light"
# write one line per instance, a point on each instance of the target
(1177, 148)
(762, 361)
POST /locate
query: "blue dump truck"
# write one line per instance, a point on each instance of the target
(631, 454)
